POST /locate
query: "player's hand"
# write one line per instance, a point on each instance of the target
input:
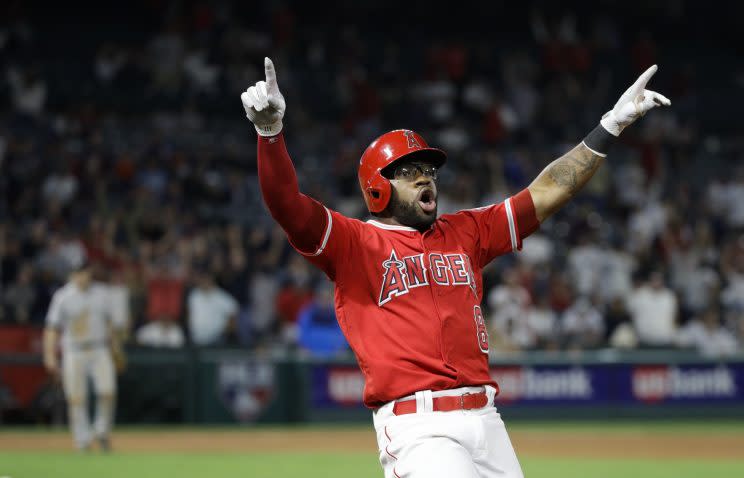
(264, 104)
(634, 103)
(119, 358)
(120, 362)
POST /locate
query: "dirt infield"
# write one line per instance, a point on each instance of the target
(575, 443)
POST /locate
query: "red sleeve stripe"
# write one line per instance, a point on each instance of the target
(512, 228)
(325, 236)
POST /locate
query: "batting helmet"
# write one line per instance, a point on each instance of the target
(384, 151)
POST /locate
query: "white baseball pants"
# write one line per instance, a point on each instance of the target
(77, 367)
(462, 443)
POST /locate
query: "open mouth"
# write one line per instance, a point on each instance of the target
(427, 200)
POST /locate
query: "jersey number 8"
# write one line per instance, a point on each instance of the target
(481, 331)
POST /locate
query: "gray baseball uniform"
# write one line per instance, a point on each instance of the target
(84, 319)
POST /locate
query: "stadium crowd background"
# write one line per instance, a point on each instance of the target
(125, 144)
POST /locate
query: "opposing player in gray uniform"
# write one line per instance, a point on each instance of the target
(82, 314)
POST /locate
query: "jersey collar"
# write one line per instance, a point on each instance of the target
(390, 227)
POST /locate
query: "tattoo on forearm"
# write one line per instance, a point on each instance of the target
(574, 168)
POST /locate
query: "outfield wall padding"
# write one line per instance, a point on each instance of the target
(219, 386)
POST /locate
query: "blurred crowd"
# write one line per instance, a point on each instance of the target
(129, 148)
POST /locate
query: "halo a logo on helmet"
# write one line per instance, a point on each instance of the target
(412, 141)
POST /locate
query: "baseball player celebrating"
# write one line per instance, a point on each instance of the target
(409, 284)
(80, 313)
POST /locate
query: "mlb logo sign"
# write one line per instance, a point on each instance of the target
(346, 386)
(246, 387)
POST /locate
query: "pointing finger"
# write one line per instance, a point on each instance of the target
(642, 80)
(270, 75)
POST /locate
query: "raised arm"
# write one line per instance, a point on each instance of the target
(565, 176)
(562, 179)
(302, 218)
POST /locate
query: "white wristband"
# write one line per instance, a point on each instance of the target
(609, 122)
(269, 130)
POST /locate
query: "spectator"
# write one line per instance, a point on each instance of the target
(294, 295)
(201, 74)
(29, 91)
(653, 308)
(538, 250)
(212, 312)
(542, 321)
(263, 292)
(161, 333)
(732, 266)
(20, 296)
(164, 295)
(619, 331)
(266, 246)
(54, 259)
(71, 249)
(152, 148)
(10, 256)
(585, 263)
(582, 325)
(645, 225)
(119, 297)
(734, 198)
(736, 323)
(692, 271)
(617, 271)
(708, 336)
(109, 62)
(509, 303)
(60, 187)
(319, 332)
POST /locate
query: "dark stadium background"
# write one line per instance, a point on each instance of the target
(162, 165)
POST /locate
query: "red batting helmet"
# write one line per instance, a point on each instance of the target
(384, 151)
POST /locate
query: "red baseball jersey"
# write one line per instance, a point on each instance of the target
(408, 302)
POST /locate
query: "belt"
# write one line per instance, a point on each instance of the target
(89, 345)
(465, 401)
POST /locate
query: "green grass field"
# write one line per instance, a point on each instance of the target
(325, 465)
(22, 462)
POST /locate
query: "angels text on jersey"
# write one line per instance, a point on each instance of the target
(400, 275)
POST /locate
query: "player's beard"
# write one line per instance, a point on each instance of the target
(410, 213)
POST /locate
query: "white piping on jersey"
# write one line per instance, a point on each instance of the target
(512, 230)
(327, 233)
(479, 208)
(390, 227)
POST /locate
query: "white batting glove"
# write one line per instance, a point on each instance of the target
(634, 103)
(264, 104)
